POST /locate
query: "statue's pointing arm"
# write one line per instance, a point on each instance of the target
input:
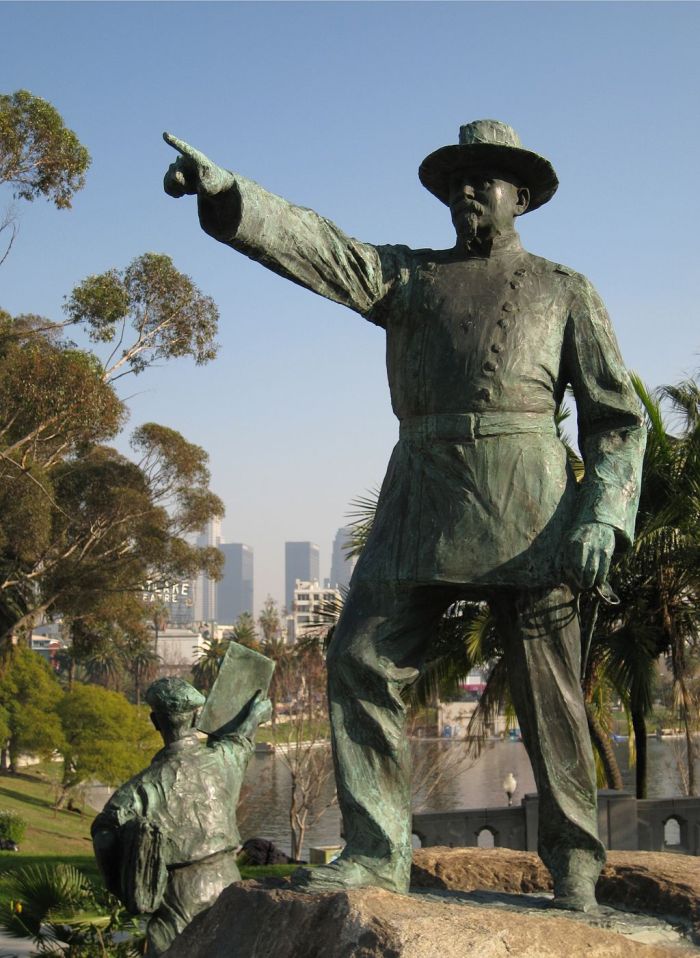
(290, 240)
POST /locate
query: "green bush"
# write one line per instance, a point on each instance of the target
(12, 827)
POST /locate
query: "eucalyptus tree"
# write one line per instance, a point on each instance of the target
(78, 518)
(39, 157)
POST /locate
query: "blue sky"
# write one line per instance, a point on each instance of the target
(334, 106)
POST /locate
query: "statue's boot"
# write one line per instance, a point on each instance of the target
(574, 883)
(579, 898)
(346, 873)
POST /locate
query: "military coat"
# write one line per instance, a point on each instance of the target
(479, 351)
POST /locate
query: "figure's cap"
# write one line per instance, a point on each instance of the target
(489, 143)
(174, 695)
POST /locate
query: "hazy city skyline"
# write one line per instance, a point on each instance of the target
(235, 593)
(334, 106)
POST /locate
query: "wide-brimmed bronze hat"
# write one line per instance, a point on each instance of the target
(489, 143)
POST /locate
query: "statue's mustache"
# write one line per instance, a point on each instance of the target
(469, 207)
(466, 215)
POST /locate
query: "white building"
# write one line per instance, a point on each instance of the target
(178, 647)
(314, 607)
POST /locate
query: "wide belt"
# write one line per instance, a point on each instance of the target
(207, 860)
(469, 426)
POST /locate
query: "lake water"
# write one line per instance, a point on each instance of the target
(445, 780)
(461, 783)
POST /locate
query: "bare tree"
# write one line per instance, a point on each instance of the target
(302, 741)
(8, 227)
(306, 754)
(433, 773)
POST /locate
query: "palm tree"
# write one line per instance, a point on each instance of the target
(104, 664)
(140, 660)
(274, 647)
(159, 617)
(244, 631)
(270, 621)
(209, 659)
(659, 579)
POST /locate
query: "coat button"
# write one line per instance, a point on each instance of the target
(489, 367)
(484, 394)
(504, 324)
(519, 272)
(515, 284)
(496, 347)
(507, 307)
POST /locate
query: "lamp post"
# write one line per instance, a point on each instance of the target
(510, 783)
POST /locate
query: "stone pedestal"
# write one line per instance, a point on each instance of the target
(444, 917)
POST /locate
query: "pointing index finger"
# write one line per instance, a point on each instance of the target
(184, 148)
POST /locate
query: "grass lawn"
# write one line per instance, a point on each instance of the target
(52, 835)
(50, 831)
(265, 871)
(286, 733)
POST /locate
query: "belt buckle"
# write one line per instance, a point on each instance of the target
(470, 423)
(454, 427)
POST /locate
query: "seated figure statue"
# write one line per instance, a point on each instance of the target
(165, 842)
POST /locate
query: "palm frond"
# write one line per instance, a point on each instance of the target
(685, 400)
(361, 518)
(652, 409)
(629, 655)
(495, 698)
(574, 459)
(38, 892)
(464, 640)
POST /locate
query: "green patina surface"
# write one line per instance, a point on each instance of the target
(482, 341)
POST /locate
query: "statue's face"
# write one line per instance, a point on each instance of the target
(484, 203)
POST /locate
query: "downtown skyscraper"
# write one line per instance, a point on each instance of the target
(234, 593)
(301, 561)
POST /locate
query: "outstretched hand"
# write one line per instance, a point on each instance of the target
(587, 555)
(193, 172)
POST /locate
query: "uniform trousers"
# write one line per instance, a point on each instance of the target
(378, 650)
(191, 888)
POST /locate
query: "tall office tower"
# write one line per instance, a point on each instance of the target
(301, 561)
(341, 568)
(205, 588)
(234, 594)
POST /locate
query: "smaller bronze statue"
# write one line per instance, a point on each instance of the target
(165, 842)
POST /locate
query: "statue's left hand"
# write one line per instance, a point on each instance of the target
(587, 555)
(260, 711)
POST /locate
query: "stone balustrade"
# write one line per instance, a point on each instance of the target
(624, 824)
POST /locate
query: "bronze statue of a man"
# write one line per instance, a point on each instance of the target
(166, 840)
(478, 500)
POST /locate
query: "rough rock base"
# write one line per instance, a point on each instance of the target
(656, 883)
(259, 920)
